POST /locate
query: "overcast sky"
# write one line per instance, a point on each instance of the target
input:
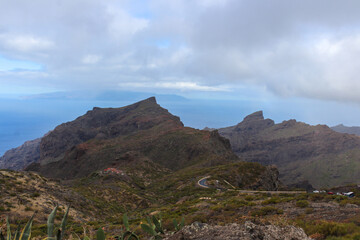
(307, 49)
(292, 59)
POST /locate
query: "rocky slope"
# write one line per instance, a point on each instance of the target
(20, 157)
(246, 231)
(300, 151)
(344, 129)
(24, 193)
(120, 137)
(140, 186)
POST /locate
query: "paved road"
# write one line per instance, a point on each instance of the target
(271, 192)
(202, 183)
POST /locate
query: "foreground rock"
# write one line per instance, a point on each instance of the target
(234, 231)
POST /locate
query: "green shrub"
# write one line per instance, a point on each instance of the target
(272, 200)
(328, 229)
(234, 204)
(268, 210)
(317, 196)
(309, 210)
(217, 207)
(28, 209)
(303, 196)
(35, 195)
(199, 218)
(302, 203)
(249, 198)
(356, 237)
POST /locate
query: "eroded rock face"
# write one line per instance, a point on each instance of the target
(20, 157)
(270, 179)
(247, 231)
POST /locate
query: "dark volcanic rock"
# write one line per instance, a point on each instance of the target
(103, 138)
(104, 123)
(20, 157)
(270, 179)
(247, 231)
(256, 116)
(302, 185)
(300, 151)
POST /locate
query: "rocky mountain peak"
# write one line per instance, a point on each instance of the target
(341, 128)
(254, 116)
(106, 123)
(254, 123)
(150, 99)
(300, 151)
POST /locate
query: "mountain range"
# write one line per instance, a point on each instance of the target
(344, 129)
(146, 135)
(114, 137)
(141, 160)
(137, 157)
(301, 152)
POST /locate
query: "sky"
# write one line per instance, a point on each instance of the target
(293, 59)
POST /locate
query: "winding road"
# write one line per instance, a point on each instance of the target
(202, 183)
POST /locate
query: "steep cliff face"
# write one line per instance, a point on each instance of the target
(20, 157)
(300, 151)
(240, 134)
(105, 137)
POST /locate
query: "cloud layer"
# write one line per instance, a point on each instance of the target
(290, 48)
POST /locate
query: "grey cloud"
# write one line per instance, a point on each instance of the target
(291, 48)
(258, 23)
(283, 45)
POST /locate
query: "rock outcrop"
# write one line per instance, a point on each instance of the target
(20, 157)
(247, 231)
(300, 151)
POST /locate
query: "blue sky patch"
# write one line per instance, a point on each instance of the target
(16, 65)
